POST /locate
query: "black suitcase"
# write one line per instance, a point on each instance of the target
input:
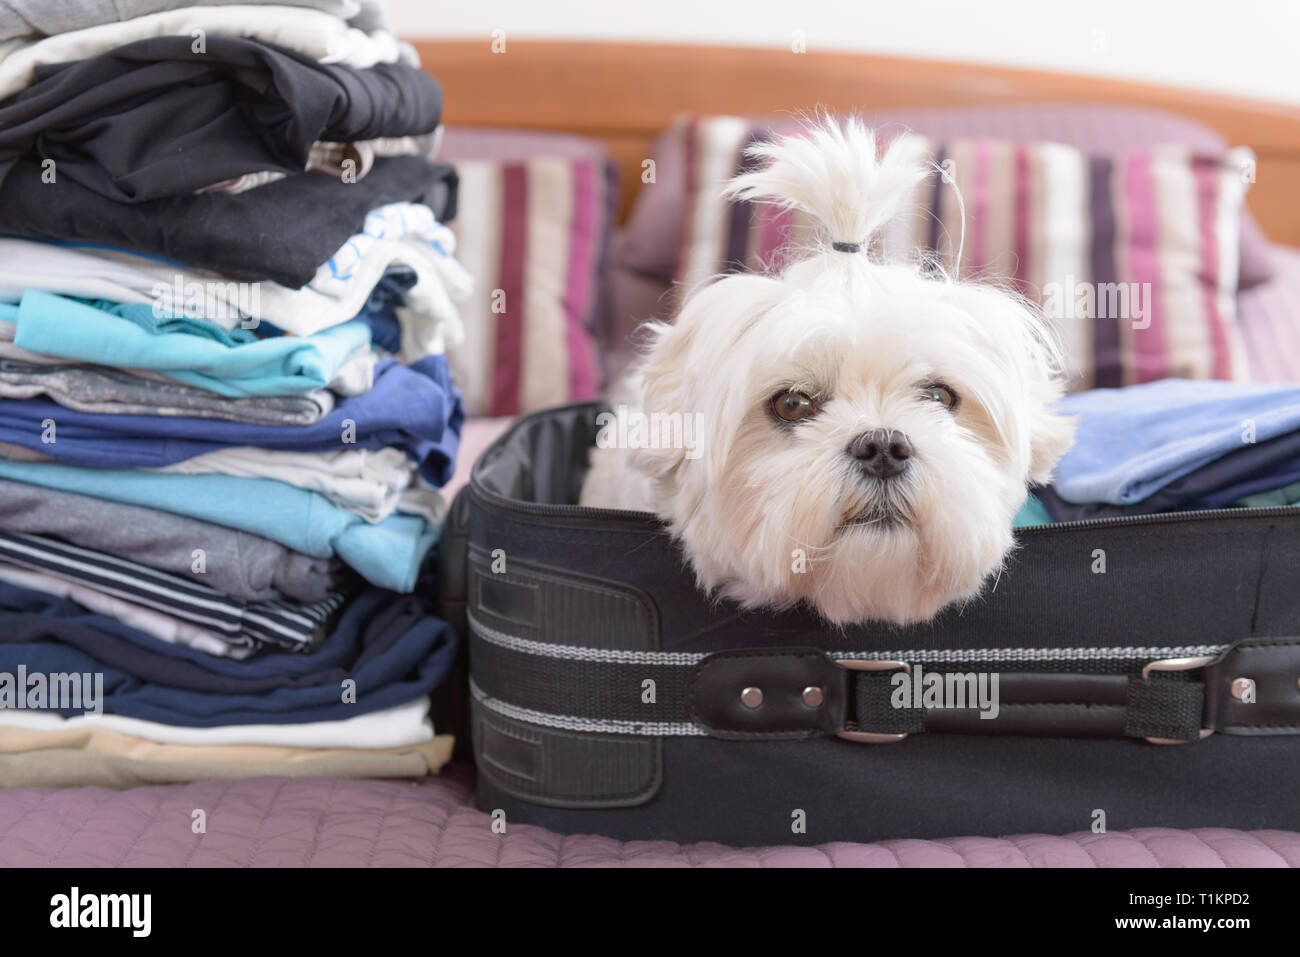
(1147, 675)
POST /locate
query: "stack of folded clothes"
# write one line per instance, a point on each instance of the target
(225, 409)
(1175, 445)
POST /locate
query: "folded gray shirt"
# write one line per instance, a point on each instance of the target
(101, 389)
(243, 566)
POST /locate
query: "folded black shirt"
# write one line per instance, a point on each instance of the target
(282, 231)
(154, 118)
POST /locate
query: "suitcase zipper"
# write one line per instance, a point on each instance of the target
(1165, 518)
(567, 511)
(1117, 521)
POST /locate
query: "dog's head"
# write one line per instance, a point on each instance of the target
(868, 429)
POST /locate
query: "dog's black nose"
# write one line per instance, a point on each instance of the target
(882, 453)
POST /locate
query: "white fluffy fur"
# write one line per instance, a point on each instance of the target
(864, 336)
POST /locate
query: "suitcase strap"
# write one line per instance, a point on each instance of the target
(1252, 688)
(1163, 694)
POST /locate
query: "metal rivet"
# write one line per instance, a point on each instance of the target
(1243, 689)
(813, 696)
(751, 697)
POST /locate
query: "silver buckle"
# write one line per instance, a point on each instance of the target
(868, 664)
(1178, 664)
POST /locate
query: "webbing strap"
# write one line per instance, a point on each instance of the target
(1166, 709)
(780, 692)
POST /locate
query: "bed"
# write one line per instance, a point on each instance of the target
(320, 822)
(622, 96)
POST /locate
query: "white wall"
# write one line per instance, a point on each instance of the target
(1246, 47)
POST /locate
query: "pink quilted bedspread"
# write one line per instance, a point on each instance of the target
(300, 822)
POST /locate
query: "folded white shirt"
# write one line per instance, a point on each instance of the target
(430, 320)
(405, 234)
(313, 33)
(400, 726)
(356, 375)
(373, 483)
(27, 264)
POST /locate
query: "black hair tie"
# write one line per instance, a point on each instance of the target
(847, 247)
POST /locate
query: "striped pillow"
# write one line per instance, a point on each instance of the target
(1132, 256)
(533, 233)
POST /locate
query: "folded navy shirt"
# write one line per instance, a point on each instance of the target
(390, 646)
(414, 670)
(367, 627)
(380, 312)
(182, 120)
(416, 408)
(283, 231)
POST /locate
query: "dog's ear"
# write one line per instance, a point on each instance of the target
(1021, 367)
(1050, 437)
(662, 387)
(689, 371)
(1038, 363)
(1050, 434)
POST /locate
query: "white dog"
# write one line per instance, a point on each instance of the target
(869, 428)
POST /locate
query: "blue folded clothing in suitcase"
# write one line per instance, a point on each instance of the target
(1175, 445)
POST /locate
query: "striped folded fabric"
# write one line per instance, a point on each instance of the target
(1132, 256)
(290, 626)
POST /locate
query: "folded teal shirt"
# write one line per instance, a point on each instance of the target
(1032, 512)
(387, 553)
(192, 351)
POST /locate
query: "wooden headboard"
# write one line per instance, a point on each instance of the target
(625, 93)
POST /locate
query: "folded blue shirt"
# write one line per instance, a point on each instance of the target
(387, 553)
(226, 362)
(1134, 441)
(415, 408)
(1252, 469)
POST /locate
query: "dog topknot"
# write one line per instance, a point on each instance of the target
(831, 170)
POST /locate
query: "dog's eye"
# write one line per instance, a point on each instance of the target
(792, 406)
(938, 392)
